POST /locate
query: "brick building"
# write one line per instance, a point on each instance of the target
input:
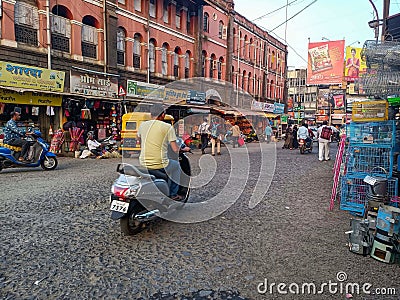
(105, 43)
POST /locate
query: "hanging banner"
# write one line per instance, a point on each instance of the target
(93, 85)
(30, 77)
(325, 62)
(142, 89)
(262, 106)
(30, 98)
(355, 64)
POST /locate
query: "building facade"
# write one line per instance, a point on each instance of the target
(100, 45)
(302, 98)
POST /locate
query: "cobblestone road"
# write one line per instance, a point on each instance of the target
(58, 242)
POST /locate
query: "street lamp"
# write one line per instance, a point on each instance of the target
(324, 38)
(353, 43)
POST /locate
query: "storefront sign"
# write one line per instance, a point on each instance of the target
(142, 89)
(196, 97)
(22, 76)
(284, 119)
(30, 98)
(174, 95)
(93, 85)
(279, 108)
(298, 108)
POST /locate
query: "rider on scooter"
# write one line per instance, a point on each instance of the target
(13, 135)
(302, 133)
(155, 136)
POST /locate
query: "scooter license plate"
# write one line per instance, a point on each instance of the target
(119, 206)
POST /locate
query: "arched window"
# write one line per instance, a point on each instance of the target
(272, 59)
(166, 11)
(178, 14)
(152, 55)
(244, 50)
(233, 75)
(89, 37)
(203, 63)
(60, 28)
(205, 22)
(138, 5)
(152, 8)
(219, 67)
(243, 79)
(234, 41)
(249, 81)
(187, 64)
(164, 59)
(177, 51)
(137, 50)
(250, 49)
(213, 65)
(121, 46)
(220, 29)
(26, 23)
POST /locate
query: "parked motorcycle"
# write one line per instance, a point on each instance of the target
(305, 146)
(109, 144)
(139, 196)
(39, 155)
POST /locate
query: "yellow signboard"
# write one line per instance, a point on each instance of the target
(22, 76)
(355, 64)
(30, 98)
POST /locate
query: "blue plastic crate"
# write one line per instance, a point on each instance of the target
(374, 134)
(367, 160)
(354, 191)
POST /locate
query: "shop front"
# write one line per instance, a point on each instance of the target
(91, 105)
(35, 93)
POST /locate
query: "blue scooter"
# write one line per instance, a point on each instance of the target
(39, 155)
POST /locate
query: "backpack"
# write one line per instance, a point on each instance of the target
(203, 128)
(215, 131)
(326, 133)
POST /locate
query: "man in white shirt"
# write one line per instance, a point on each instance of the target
(94, 146)
(323, 141)
(204, 132)
(302, 133)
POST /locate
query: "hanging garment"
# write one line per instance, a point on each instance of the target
(50, 111)
(35, 110)
(2, 105)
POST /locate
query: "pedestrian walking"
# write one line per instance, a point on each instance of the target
(268, 133)
(204, 134)
(288, 139)
(216, 132)
(295, 142)
(235, 134)
(324, 134)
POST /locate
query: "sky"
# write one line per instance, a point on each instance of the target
(331, 19)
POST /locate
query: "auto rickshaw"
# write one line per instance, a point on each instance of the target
(130, 143)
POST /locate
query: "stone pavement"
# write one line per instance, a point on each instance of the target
(58, 241)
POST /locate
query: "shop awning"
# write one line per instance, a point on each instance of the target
(226, 110)
(271, 115)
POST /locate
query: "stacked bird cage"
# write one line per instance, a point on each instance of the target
(382, 78)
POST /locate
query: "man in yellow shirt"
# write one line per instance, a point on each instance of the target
(155, 136)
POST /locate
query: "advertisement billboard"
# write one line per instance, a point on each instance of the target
(355, 64)
(325, 62)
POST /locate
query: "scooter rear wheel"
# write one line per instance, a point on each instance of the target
(130, 226)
